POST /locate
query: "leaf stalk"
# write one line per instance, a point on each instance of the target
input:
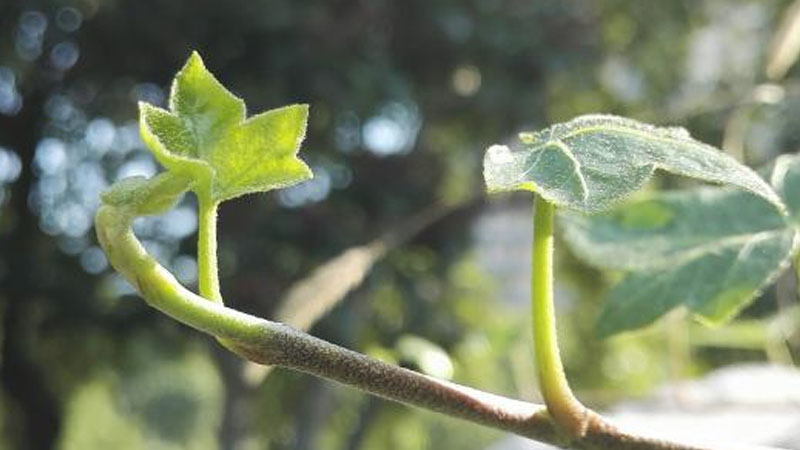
(566, 410)
(207, 267)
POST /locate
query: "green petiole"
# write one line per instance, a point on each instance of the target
(561, 403)
(207, 271)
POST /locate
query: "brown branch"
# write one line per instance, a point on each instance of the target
(311, 298)
(283, 346)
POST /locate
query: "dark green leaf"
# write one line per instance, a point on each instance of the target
(711, 250)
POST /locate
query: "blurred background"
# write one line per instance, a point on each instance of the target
(393, 248)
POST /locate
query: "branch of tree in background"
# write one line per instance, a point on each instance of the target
(785, 46)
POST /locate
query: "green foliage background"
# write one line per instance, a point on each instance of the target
(405, 97)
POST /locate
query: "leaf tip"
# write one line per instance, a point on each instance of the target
(195, 80)
(526, 137)
(147, 113)
(604, 326)
(302, 110)
(195, 61)
(495, 162)
(306, 172)
(145, 108)
(498, 154)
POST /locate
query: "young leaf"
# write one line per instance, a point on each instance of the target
(593, 162)
(205, 135)
(710, 249)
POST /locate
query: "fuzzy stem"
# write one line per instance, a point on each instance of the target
(566, 410)
(207, 271)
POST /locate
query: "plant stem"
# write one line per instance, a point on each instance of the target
(561, 403)
(276, 344)
(207, 270)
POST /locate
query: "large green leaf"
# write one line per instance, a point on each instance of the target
(711, 249)
(594, 161)
(205, 135)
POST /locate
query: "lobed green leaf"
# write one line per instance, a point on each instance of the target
(592, 162)
(205, 135)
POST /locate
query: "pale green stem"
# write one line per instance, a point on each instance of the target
(161, 289)
(562, 405)
(207, 270)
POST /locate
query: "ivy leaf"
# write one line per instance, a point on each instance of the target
(206, 136)
(592, 162)
(711, 249)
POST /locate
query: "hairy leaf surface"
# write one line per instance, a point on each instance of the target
(711, 249)
(205, 135)
(592, 162)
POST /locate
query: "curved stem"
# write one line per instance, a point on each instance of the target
(159, 288)
(207, 270)
(566, 410)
